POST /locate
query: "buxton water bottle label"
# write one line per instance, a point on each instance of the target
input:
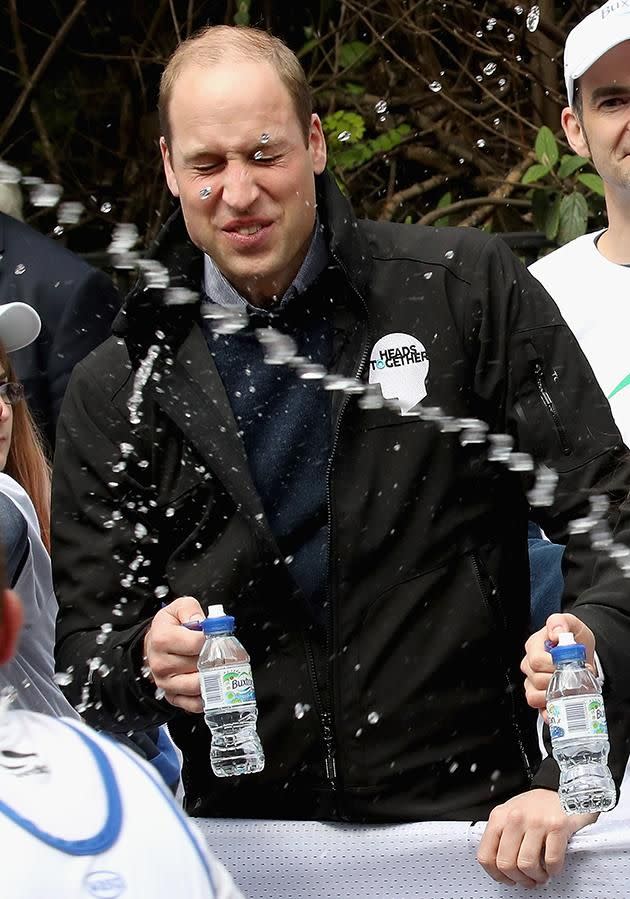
(230, 685)
(577, 716)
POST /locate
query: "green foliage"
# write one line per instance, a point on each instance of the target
(559, 208)
(445, 200)
(354, 54)
(241, 16)
(347, 149)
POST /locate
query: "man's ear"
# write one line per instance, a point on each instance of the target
(171, 180)
(10, 624)
(317, 145)
(575, 133)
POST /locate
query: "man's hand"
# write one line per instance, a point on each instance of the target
(171, 652)
(526, 838)
(537, 666)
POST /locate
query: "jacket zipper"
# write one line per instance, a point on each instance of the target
(510, 683)
(325, 714)
(539, 377)
(330, 764)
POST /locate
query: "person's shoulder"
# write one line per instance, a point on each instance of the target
(104, 370)
(456, 249)
(51, 260)
(576, 252)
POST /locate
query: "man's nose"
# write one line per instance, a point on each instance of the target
(240, 190)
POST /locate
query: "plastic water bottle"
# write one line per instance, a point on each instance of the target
(229, 701)
(579, 734)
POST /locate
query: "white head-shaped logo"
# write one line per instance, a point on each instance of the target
(399, 363)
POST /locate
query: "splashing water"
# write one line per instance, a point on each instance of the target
(265, 138)
(205, 192)
(300, 709)
(70, 212)
(46, 195)
(435, 87)
(533, 18)
(106, 207)
(490, 68)
(480, 143)
(20, 268)
(381, 107)
(141, 377)
(344, 136)
(373, 717)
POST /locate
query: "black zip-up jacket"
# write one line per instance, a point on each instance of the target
(412, 703)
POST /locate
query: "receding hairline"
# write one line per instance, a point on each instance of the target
(218, 44)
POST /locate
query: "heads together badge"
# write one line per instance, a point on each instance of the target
(399, 363)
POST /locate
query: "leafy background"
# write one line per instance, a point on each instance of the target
(440, 113)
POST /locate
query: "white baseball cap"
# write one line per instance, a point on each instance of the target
(19, 326)
(595, 35)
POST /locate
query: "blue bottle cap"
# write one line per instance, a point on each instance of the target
(217, 622)
(567, 650)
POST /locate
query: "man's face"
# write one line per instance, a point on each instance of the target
(604, 133)
(240, 165)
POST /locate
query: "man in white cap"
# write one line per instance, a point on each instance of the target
(589, 278)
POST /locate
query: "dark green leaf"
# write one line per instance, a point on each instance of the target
(593, 182)
(354, 53)
(570, 164)
(573, 217)
(552, 218)
(535, 173)
(546, 147)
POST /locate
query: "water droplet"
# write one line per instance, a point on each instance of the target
(496, 122)
(518, 10)
(435, 86)
(449, 254)
(478, 33)
(502, 82)
(373, 717)
(64, 678)
(490, 68)
(428, 275)
(521, 462)
(344, 136)
(20, 268)
(160, 693)
(396, 447)
(161, 591)
(496, 774)
(453, 767)
(205, 192)
(533, 18)
(69, 213)
(106, 207)
(511, 37)
(473, 767)
(265, 138)
(490, 24)
(381, 107)
(58, 230)
(140, 531)
(169, 512)
(359, 732)
(300, 709)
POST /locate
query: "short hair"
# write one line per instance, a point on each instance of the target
(577, 106)
(211, 44)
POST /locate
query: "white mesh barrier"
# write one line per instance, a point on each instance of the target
(300, 860)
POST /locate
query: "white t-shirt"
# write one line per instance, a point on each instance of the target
(593, 296)
(83, 818)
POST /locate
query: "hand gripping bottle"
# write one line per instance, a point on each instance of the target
(229, 701)
(579, 734)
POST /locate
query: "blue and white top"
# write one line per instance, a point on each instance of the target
(82, 817)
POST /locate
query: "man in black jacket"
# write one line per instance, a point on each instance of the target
(76, 304)
(375, 560)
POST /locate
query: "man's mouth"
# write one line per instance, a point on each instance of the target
(248, 229)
